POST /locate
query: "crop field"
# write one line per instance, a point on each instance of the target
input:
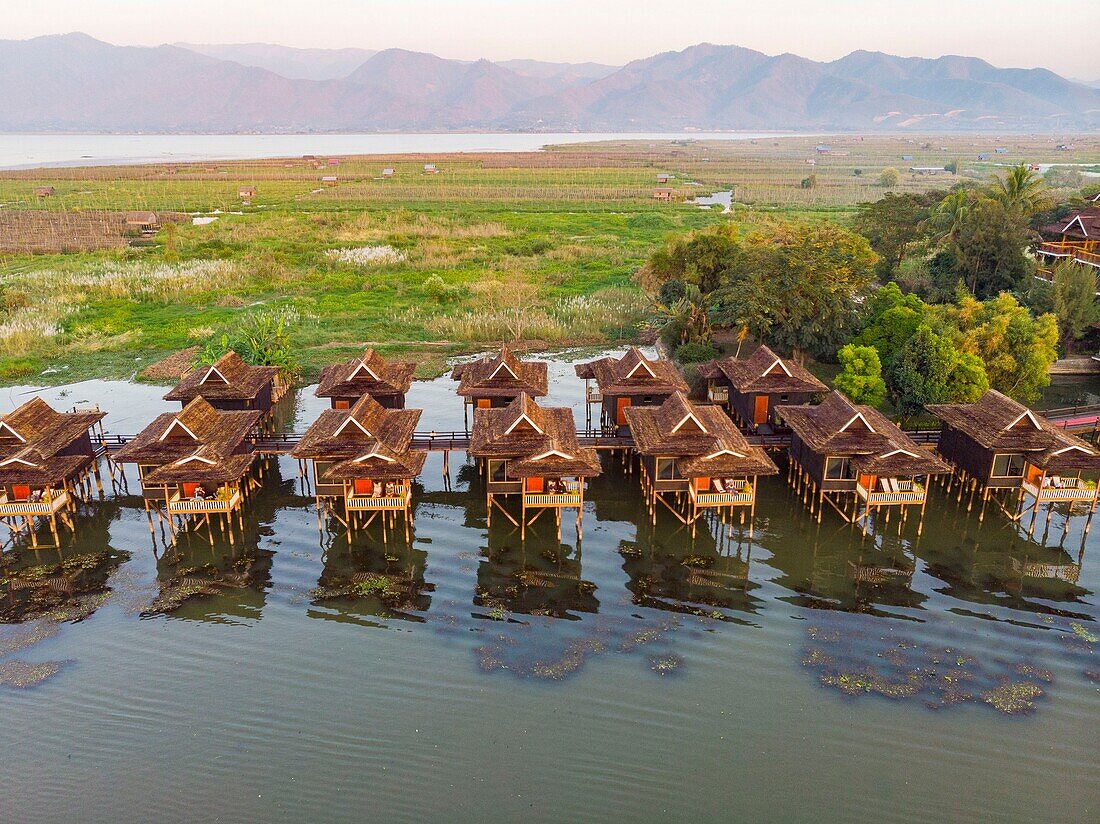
(537, 247)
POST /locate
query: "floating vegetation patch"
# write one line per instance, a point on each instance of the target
(665, 664)
(185, 583)
(66, 591)
(880, 661)
(22, 674)
(27, 636)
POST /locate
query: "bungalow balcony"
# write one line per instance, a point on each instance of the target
(570, 498)
(1080, 252)
(907, 492)
(718, 394)
(49, 504)
(1061, 489)
(740, 493)
(364, 502)
(179, 505)
(593, 394)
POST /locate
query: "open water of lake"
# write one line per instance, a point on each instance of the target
(804, 674)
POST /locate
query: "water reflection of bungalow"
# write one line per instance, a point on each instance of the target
(632, 380)
(852, 457)
(536, 580)
(532, 452)
(386, 381)
(998, 445)
(196, 462)
(45, 456)
(31, 589)
(753, 387)
(213, 583)
(358, 583)
(231, 384)
(361, 457)
(491, 382)
(695, 453)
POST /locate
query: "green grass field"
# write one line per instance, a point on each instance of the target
(536, 247)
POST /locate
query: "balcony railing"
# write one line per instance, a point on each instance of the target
(1069, 250)
(398, 500)
(908, 493)
(1069, 489)
(718, 394)
(571, 497)
(742, 494)
(46, 506)
(178, 505)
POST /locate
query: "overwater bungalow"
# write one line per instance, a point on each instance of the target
(1075, 237)
(368, 375)
(230, 384)
(362, 459)
(632, 380)
(694, 459)
(496, 381)
(196, 462)
(1004, 450)
(856, 460)
(754, 386)
(532, 452)
(45, 457)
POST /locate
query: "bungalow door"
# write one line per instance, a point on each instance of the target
(620, 410)
(760, 410)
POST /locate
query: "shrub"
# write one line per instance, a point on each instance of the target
(671, 292)
(695, 353)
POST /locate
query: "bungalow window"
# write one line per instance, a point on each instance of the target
(647, 399)
(1008, 466)
(498, 470)
(666, 469)
(784, 398)
(838, 469)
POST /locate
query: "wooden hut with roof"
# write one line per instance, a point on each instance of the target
(496, 381)
(531, 451)
(695, 453)
(369, 375)
(230, 384)
(196, 462)
(854, 458)
(45, 456)
(361, 457)
(632, 380)
(1075, 237)
(753, 387)
(1005, 450)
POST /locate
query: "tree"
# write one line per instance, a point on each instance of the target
(700, 259)
(671, 291)
(893, 225)
(1021, 190)
(891, 319)
(861, 375)
(889, 177)
(948, 216)
(989, 248)
(921, 373)
(797, 286)
(1074, 300)
(967, 380)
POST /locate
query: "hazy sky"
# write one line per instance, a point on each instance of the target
(1060, 36)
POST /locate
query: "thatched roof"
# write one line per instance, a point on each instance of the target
(541, 441)
(633, 374)
(31, 437)
(501, 376)
(198, 443)
(837, 427)
(701, 437)
(764, 372)
(340, 434)
(1083, 225)
(140, 218)
(997, 423)
(229, 378)
(370, 374)
(377, 462)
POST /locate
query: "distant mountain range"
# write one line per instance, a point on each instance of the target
(76, 83)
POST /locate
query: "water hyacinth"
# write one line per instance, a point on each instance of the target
(366, 255)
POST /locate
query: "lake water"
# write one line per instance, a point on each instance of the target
(33, 150)
(637, 675)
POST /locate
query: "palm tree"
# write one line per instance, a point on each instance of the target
(1020, 189)
(949, 215)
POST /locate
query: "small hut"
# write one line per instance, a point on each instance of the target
(329, 180)
(695, 453)
(853, 458)
(231, 384)
(1076, 237)
(361, 457)
(632, 380)
(663, 178)
(388, 172)
(663, 194)
(144, 222)
(43, 191)
(754, 386)
(430, 169)
(45, 457)
(1005, 450)
(196, 462)
(496, 381)
(533, 453)
(371, 374)
(246, 193)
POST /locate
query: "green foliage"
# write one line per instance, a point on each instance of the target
(890, 330)
(1022, 190)
(671, 292)
(929, 369)
(261, 339)
(700, 259)
(889, 177)
(860, 377)
(695, 353)
(989, 248)
(1074, 300)
(438, 290)
(895, 224)
(809, 182)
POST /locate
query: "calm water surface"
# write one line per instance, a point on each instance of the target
(637, 675)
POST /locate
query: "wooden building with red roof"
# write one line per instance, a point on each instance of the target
(45, 457)
(495, 381)
(230, 384)
(362, 459)
(368, 375)
(1075, 237)
(632, 380)
(854, 458)
(694, 460)
(999, 446)
(532, 452)
(754, 386)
